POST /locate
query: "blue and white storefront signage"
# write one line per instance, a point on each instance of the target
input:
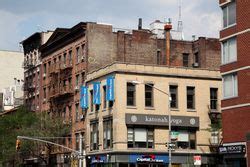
(84, 97)
(110, 89)
(138, 158)
(97, 94)
(98, 159)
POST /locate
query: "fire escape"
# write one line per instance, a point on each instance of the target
(60, 86)
(29, 86)
(216, 139)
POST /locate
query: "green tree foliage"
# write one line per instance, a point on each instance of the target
(26, 123)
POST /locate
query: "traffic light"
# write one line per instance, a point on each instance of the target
(18, 144)
(170, 145)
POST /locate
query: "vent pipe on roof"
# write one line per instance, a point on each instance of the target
(167, 29)
(140, 24)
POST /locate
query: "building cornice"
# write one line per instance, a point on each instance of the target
(154, 70)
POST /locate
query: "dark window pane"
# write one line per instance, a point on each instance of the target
(130, 94)
(213, 98)
(185, 59)
(173, 94)
(190, 97)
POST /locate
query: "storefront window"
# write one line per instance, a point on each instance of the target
(184, 139)
(140, 138)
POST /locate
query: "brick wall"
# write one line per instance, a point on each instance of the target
(105, 46)
(237, 124)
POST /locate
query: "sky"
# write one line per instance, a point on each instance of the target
(21, 18)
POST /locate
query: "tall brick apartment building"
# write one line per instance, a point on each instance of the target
(31, 65)
(69, 54)
(235, 40)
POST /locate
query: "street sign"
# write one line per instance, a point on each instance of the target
(197, 160)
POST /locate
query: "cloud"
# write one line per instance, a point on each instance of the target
(21, 18)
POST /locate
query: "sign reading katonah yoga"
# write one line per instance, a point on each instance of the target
(161, 120)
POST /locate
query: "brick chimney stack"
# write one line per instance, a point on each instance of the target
(167, 29)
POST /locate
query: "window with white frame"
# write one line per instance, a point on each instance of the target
(107, 133)
(229, 14)
(140, 138)
(229, 51)
(230, 85)
(94, 135)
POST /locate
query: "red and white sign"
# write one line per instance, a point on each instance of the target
(197, 160)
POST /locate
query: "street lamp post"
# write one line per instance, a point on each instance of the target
(169, 119)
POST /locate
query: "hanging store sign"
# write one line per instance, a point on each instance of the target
(161, 120)
(97, 94)
(110, 89)
(84, 97)
(233, 149)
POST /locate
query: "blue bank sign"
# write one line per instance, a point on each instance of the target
(151, 158)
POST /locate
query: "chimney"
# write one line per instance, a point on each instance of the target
(140, 24)
(167, 29)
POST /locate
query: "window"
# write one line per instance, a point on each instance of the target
(130, 94)
(77, 141)
(44, 69)
(107, 133)
(77, 112)
(70, 56)
(44, 93)
(64, 58)
(158, 57)
(149, 95)
(230, 85)
(104, 97)
(214, 137)
(77, 80)
(78, 55)
(184, 139)
(83, 52)
(140, 138)
(70, 113)
(229, 51)
(82, 76)
(213, 98)
(185, 59)
(91, 101)
(174, 96)
(110, 104)
(94, 136)
(190, 97)
(229, 14)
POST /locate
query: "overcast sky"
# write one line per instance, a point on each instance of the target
(21, 18)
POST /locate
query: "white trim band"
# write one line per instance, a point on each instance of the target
(224, 3)
(235, 34)
(235, 106)
(235, 143)
(236, 70)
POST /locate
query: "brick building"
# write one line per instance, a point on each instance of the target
(71, 53)
(31, 65)
(235, 41)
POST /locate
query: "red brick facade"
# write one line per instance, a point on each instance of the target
(236, 110)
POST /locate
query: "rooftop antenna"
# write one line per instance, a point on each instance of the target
(180, 25)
